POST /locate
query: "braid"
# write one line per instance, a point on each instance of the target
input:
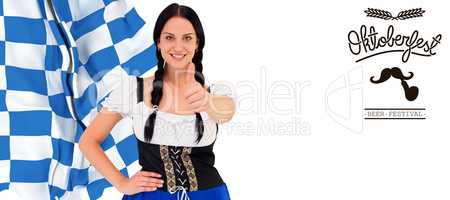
(197, 60)
(156, 94)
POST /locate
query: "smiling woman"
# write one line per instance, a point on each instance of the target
(183, 49)
(174, 116)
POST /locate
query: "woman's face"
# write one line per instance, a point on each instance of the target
(178, 42)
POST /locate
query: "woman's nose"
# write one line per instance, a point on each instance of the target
(179, 46)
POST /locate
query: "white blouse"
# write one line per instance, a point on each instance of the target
(170, 129)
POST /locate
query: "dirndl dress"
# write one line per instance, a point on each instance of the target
(186, 166)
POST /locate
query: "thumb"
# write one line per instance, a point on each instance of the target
(191, 73)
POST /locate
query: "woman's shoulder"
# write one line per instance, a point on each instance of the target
(122, 94)
(149, 80)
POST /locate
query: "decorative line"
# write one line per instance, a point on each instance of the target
(395, 118)
(391, 51)
(394, 108)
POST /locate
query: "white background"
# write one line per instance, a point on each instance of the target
(304, 43)
(299, 49)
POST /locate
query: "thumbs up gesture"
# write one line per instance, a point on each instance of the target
(196, 95)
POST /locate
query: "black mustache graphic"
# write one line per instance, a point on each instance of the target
(394, 72)
(411, 93)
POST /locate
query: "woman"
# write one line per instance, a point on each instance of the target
(174, 116)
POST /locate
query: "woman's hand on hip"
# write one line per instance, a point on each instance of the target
(142, 181)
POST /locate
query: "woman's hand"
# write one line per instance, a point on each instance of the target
(196, 95)
(142, 181)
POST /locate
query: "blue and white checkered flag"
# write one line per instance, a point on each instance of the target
(58, 61)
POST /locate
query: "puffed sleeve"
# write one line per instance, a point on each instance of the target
(121, 97)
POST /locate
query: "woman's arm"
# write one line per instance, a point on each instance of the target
(90, 143)
(221, 108)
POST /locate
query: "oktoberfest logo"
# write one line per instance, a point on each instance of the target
(368, 42)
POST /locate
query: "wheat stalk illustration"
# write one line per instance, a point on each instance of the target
(411, 13)
(386, 15)
(377, 13)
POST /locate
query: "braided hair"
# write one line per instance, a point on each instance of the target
(175, 10)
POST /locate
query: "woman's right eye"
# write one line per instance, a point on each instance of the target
(169, 37)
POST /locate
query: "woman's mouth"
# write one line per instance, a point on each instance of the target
(177, 56)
